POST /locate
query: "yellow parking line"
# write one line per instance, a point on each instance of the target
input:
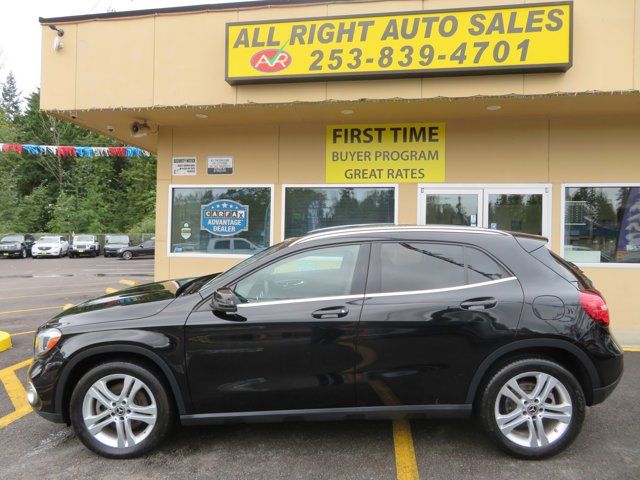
(22, 333)
(110, 290)
(16, 393)
(7, 312)
(406, 466)
(631, 349)
(67, 306)
(131, 283)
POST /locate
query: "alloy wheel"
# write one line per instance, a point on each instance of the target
(119, 410)
(533, 409)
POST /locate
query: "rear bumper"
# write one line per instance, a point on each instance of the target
(600, 394)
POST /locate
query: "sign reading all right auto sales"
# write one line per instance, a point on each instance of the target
(505, 39)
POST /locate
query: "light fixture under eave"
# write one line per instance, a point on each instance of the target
(494, 108)
(202, 115)
(347, 112)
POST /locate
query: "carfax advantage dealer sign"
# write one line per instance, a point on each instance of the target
(505, 39)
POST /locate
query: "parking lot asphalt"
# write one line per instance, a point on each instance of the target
(31, 291)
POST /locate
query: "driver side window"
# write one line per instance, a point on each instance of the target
(324, 272)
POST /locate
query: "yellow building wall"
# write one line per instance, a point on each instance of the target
(514, 150)
(178, 59)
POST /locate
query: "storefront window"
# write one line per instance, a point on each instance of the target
(220, 220)
(602, 224)
(309, 208)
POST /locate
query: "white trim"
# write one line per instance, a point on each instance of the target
(284, 186)
(563, 187)
(301, 300)
(546, 189)
(172, 186)
(375, 295)
(439, 290)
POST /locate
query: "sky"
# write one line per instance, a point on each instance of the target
(20, 33)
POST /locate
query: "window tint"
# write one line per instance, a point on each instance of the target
(240, 244)
(420, 266)
(148, 244)
(481, 267)
(322, 272)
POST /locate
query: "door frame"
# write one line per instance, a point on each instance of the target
(483, 191)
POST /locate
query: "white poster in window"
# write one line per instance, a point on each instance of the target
(184, 166)
(219, 165)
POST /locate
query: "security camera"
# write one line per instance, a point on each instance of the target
(110, 128)
(139, 129)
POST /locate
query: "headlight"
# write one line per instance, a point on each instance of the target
(120, 250)
(46, 340)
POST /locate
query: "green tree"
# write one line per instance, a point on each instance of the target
(10, 98)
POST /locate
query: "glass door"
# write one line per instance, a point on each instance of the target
(503, 207)
(453, 207)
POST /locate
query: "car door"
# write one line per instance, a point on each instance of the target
(432, 313)
(291, 344)
(148, 248)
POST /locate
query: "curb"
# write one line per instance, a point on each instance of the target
(5, 341)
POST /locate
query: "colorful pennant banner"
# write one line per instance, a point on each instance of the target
(65, 151)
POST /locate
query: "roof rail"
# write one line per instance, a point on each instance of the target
(376, 228)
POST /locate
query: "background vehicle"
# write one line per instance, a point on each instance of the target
(371, 322)
(17, 245)
(238, 246)
(113, 243)
(50, 246)
(145, 249)
(84, 245)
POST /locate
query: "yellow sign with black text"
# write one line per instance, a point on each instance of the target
(377, 153)
(519, 38)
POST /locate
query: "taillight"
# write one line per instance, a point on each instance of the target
(594, 304)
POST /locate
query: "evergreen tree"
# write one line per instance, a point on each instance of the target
(10, 100)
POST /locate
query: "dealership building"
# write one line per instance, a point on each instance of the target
(273, 118)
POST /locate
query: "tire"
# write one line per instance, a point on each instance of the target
(108, 435)
(563, 398)
(23, 253)
(127, 255)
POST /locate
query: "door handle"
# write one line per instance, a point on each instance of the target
(482, 303)
(331, 312)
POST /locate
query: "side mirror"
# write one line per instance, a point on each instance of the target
(224, 300)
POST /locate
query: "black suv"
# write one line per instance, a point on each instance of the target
(360, 322)
(17, 245)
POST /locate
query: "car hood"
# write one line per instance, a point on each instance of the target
(47, 244)
(129, 304)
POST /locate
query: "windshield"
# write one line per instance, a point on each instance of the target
(254, 258)
(118, 239)
(49, 240)
(11, 239)
(84, 238)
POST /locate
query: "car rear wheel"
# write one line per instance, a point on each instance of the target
(120, 410)
(533, 408)
(127, 255)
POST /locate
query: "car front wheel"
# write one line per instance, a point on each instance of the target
(120, 410)
(533, 408)
(127, 255)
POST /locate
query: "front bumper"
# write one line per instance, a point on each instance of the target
(11, 253)
(42, 382)
(83, 251)
(45, 253)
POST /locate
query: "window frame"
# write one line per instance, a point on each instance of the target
(374, 288)
(173, 186)
(284, 186)
(360, 274)
(563, 197)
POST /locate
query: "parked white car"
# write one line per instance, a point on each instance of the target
(50, 246)
(84, 245)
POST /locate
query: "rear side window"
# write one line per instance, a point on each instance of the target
(405, 267)
(481, 267)
(564, 268)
